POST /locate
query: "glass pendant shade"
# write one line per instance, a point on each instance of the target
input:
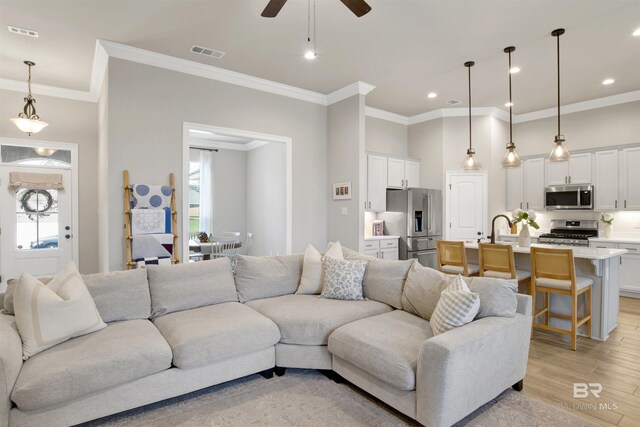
(511, 158)
(29, 126)
(471, 163)
(559, 152)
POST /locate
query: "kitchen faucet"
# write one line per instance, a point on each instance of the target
(493, 225)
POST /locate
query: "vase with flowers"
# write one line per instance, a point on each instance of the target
(607, 219)
(527, 218)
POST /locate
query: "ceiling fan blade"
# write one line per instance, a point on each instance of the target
(272, 9)
(359, 7)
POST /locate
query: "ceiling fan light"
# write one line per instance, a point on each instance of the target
(29, 126)
(560, 152)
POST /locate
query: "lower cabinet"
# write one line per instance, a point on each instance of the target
(382, 248)
(629, 267)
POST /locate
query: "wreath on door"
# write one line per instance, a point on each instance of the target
(30, 203)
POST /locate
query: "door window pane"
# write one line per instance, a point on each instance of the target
(35, 156)
(37, 219)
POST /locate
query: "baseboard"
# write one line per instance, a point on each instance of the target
(630, 292)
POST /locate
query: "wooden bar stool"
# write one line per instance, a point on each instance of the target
(497, 261)
(553, 271)
(452, 258)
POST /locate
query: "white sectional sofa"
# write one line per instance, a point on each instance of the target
(176, 329)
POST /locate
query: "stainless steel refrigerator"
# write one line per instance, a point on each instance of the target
(415, 214)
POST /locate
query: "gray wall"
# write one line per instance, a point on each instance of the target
(267, 199)
(385, 137)
(73, 122)
(147, 107)
(425, 143)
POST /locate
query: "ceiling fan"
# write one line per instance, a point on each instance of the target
(358, 7)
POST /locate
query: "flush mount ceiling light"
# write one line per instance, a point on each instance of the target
(432, 95)
(511, 158)
(28, 121)
(559, 153)
(636, 33)
(608, 81)
(470, 163)
(514, 70)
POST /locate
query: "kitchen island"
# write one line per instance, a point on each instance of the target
(602, 265)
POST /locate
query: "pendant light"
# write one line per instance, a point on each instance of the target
(28, 121)
(470, 163)
(311, 51)
(559, 153)
(511, 158)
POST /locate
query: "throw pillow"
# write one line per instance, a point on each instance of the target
(120, 295)
(8, 294)
(343, 279)
(456, 307)
(422, 290)
(384, 280)
(497, 296)
(313, 269)
(49, 315)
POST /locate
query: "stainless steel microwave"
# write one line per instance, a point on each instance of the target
(569, 197)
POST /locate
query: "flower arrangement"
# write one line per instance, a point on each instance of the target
(607, 218)
(526, 217)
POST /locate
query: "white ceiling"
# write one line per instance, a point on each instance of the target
(406, 48)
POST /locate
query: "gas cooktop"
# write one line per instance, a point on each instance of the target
(570, 232)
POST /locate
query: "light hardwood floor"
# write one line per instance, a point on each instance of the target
(553, 369)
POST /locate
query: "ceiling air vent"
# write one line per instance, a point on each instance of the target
(454, 102)
(22, 31)
(207, 52)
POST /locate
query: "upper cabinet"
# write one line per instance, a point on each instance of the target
(576, 171)
(403, 173)
(515, 188)
(533, 196)
(630, 178)
(376, 183)
(605, 180)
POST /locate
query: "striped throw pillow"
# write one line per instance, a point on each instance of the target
(457, 306)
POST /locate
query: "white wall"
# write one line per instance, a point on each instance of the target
(385, 137)
(73, 122)
(425, 143)
(147, 107)
(267, 199)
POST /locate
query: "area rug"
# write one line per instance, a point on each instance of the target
(308, 398)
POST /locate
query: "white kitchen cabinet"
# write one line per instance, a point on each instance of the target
(382, 248)
(533, 184)
(630, 269)
(515, 188)
(629, 179)
(376, 183)
(606, 180)
(371, 252)
(403, 173)
(575, 171)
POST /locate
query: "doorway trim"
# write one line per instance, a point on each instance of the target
(186, 144)
(73, 147)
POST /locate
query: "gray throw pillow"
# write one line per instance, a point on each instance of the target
(184, 286)
(269, 276)
(120, 295)
(422, 290)
(384, 280)
(343, 279)
(8, 294)
(497, 296)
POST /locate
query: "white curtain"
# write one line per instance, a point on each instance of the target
(206, 191)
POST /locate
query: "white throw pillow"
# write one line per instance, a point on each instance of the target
(313, 269)
(49, 315)
(457, 306)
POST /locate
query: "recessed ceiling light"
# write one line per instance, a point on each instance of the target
(514, 70)
(636, 32)
(508, 104)
(204, 132)
(608, 81)
(432, 95)
(310, 54)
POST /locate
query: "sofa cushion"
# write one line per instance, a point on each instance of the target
(497, 296)
(120, 353)
(184, 286)
(422, 290)
(384, 280)
(7, 300)
(309, 319)
(268, 276)
(386, 346)
(120, 295)
(209, 334)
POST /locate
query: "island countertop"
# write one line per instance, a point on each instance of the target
(578, 251)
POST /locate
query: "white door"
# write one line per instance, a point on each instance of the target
(580, 169)
(36, 226)
(534, 184)
(630, 158)
(557, 173)
(467, 202)
(514, 188)
(376, 183)
(395, 173)
(606, 180)
(412, 174)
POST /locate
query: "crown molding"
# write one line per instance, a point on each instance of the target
(458, 112)
(386, 115)
(38, 89)
(357, 88)
(98, 70)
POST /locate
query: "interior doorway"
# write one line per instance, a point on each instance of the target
(236, 186)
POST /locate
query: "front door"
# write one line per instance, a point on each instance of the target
(35, 226)
(466, 205)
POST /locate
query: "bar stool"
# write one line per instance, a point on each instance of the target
(497, 261)
(452, 258)
(553, 271)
